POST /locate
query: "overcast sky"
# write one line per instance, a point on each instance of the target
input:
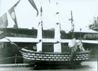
(84, 12)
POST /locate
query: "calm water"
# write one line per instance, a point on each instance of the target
(85, 66)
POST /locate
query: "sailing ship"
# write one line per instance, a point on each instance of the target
(39, 46)
(49, 50)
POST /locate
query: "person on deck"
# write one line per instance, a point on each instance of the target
(80, 45)
(74, 46)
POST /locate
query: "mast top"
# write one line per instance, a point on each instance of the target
(71, 19)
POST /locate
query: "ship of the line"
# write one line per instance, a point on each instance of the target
(40, 46)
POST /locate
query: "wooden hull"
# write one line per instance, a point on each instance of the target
(53, 58)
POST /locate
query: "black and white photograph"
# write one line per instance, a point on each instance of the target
(48, 35)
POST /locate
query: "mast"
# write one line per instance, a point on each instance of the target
(80, 34)
(40, 29)
(71, 19)
(57, 45)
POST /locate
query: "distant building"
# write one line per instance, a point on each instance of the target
(94, 26)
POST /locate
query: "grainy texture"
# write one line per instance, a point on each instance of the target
(85, 66)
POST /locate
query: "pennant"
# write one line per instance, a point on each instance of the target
(13, 15)
(4, 21)
(34, 6)
(49, 1)
(71, 19)
(41, 10)
(57, 3)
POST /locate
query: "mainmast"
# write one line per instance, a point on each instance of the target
(40, 29)
(57, 45)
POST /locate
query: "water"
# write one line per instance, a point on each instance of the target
(85, 66)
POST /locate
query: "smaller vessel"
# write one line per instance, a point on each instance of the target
(94, 26)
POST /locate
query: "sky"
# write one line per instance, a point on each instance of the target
(84, 12)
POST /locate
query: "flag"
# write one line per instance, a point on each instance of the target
(13, 15)
(34, 6)
(3, 21)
